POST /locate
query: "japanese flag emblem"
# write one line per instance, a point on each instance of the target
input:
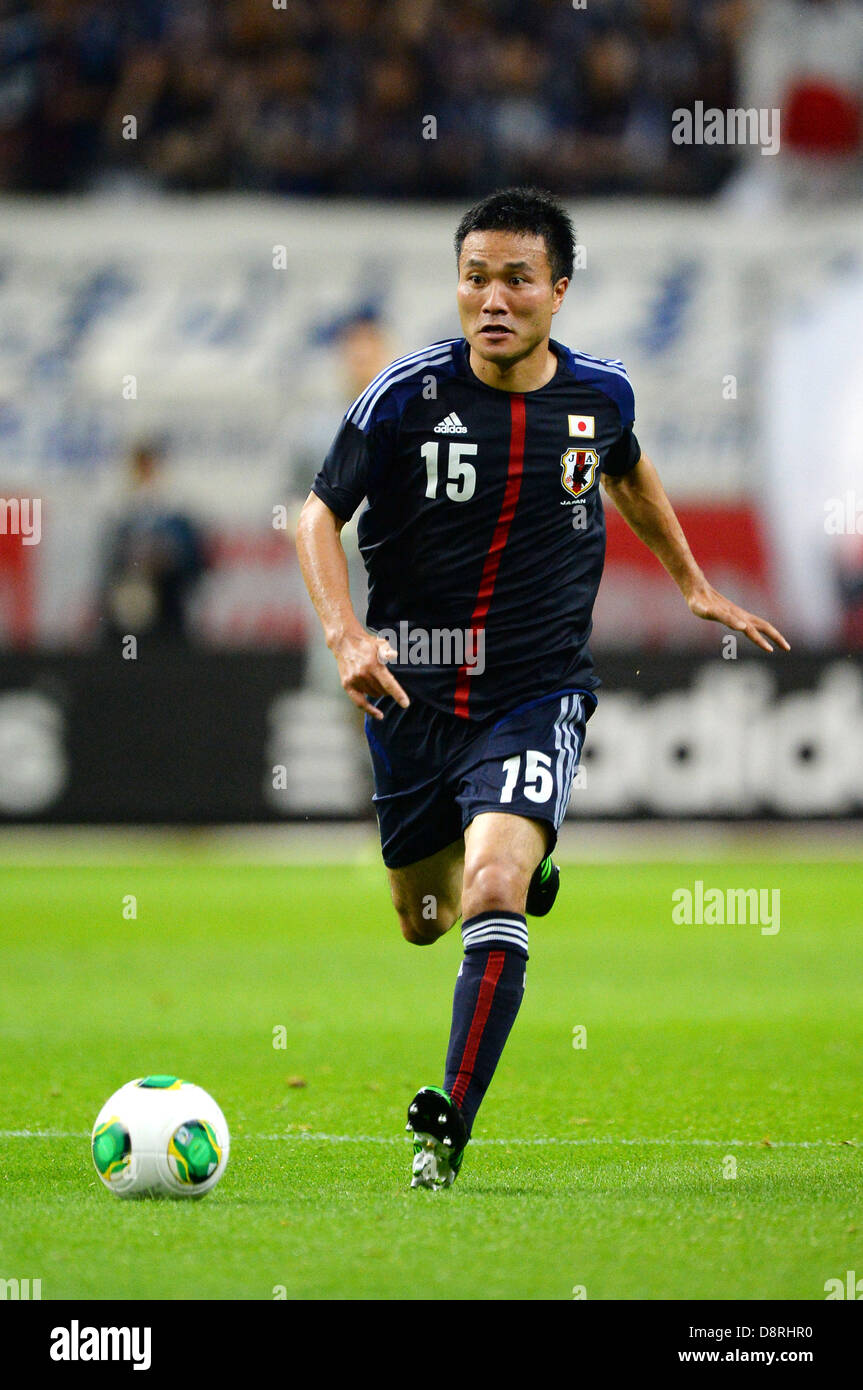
(582, 426)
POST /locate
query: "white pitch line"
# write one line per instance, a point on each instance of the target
(308, 1136)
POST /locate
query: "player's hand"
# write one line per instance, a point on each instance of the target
(362, 661)
(707, 602)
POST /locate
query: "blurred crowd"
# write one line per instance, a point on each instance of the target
(334, 96)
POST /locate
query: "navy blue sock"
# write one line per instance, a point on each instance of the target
(488, 993)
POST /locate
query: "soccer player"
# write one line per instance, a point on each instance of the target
(481, 459)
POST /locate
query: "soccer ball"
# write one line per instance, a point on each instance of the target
(160, 1136)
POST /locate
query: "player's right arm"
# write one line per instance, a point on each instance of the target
(643, 503)
(360, 656)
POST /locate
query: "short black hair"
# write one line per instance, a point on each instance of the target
(529, 212)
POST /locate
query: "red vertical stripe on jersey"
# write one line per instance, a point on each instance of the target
(498, 542)
(488, 984)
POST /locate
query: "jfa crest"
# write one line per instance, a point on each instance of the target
(578, 469)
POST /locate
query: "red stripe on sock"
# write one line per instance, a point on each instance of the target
(498, 543)
(488, 984)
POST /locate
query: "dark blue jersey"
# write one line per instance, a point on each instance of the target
(484, 535)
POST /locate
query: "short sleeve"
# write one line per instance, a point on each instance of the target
(343, 478)
(623, 454)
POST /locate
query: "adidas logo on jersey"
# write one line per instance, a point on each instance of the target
(451, 425)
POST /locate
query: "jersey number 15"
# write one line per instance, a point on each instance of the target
(460, 476)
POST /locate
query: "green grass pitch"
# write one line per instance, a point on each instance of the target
(710, 1051)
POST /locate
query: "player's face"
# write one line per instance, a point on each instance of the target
(506, 298)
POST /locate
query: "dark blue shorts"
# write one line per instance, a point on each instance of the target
(435, 772)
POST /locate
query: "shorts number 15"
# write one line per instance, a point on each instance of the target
(538, 781)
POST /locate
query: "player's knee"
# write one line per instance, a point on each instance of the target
(419, 933)
(421, 928)
(494, 883)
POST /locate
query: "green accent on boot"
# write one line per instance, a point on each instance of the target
(543, 888)
(439, 1090)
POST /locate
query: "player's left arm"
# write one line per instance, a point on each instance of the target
(643, 503)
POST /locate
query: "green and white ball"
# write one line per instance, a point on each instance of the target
(160, 1136)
